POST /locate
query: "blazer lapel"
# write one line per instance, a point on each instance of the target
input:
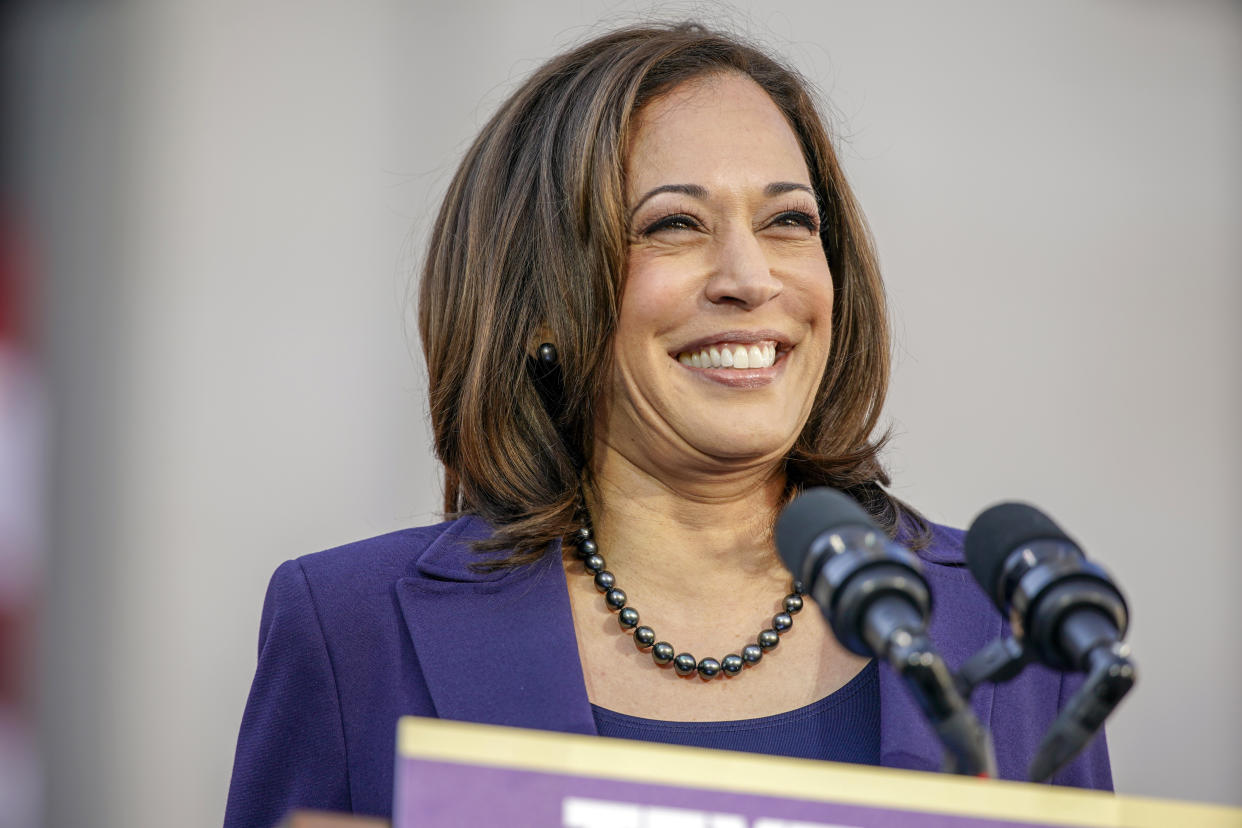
(495, 647)
(963, 621)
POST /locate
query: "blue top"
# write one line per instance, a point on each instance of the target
(354, 637)
(844, 726)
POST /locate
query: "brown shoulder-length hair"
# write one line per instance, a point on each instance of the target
(531, 243)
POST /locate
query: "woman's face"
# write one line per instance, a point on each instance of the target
(726, 314)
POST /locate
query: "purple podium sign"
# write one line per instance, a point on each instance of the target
(455, 774)
(447, 793)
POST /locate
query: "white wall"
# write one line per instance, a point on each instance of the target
(231, 197)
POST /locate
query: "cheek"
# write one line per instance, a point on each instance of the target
(817, 297)
(809, 290)
(820, 293)
(827, 295)
(654, 300)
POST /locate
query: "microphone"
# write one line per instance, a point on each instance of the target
(1064, 610)
(873, 595)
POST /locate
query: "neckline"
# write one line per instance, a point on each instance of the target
(864, 679)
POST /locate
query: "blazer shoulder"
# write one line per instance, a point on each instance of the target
(947, 546)
(385, 558)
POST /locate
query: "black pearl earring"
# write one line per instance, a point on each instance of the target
(545, 374)
(544, 369)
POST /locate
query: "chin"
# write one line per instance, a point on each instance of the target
(745, 444)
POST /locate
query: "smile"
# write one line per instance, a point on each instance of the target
(739, 356)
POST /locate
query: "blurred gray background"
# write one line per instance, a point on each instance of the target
(228, 201)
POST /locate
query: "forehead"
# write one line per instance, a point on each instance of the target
(717, 130)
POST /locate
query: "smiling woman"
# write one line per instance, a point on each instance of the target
(663, 208)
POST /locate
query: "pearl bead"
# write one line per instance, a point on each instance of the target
(768, 639)
(793, 603)
(781, 622)
(709, 668)
(644, 636)
(628, 618)
(605, 580)
(593, 563)
(685, 664)
(662, 653)
(732, 664)
(751, 653)
(587, 548)
(615, 598)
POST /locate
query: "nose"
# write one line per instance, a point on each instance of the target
(741, 274)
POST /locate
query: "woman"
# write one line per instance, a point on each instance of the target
(663, 206)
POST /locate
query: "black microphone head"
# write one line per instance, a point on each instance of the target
(999, 531)
(812, 513)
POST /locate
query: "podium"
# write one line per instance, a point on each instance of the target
(455, 774)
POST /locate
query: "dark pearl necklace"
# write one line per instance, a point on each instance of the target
(662, 652)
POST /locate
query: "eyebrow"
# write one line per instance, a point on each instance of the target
(692, 190)
(697, 191)
(781, 187)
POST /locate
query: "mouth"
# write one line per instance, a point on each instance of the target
(737, 356)
(734, 351)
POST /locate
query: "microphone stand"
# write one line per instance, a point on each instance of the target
(1109, 678)
(895, 633)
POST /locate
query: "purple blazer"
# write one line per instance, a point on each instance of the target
(354, 637)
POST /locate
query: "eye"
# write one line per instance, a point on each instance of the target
(797, 218)
(676, 221)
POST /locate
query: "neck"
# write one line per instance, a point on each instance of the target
(717, 526)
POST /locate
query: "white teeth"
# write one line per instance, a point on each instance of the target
(760, 355)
